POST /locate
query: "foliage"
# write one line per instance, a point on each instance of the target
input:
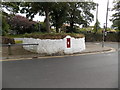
(80, 13)
(6, 40)
(116, 16)
(43, 8)
(52, 35)
(5, 25)
(18, 41)
(58, 14)
(42, 27)
(87, 29)
(97, 26)
(21, 25)
(91, 37)
(12, 7)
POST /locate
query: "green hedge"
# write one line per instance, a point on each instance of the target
(89, 37)
(113, 37)
(53, 35)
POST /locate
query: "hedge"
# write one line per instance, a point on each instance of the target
(53, 35)
(112, 37)
(6, 40)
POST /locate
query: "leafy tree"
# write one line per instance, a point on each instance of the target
(13, 8)
(116, 16)
(96, 26)
(58, 14)
(43, 8)
(5, 25)
(42, 27)
(21, 24)
(68, 12)
(80, 13)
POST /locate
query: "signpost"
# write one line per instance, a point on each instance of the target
(105, 25)
(103, 36)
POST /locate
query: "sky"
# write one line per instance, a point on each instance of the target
(102, 8)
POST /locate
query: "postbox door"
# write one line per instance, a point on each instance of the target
(68, 43)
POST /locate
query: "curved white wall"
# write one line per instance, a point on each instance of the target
(51, 46)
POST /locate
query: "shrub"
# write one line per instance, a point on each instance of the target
(6, 40)
(53, 35)
(18, 41)
(90, 37)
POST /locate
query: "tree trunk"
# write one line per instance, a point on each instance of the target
(71, 26)
(47, 20)
(71, 23)
(56, 24)
(57, 29)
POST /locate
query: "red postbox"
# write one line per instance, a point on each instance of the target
(68, 43)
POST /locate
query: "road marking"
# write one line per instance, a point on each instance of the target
(15, 59)
(87, 53)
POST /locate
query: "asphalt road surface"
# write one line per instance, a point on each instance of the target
(85, 71)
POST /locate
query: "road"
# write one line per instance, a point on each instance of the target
(84, 71)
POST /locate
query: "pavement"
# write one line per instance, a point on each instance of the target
(18, 53)
(96, 47)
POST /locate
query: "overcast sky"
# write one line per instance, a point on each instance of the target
(102, 8)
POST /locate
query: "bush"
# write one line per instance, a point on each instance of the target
(18, 41)
(112, 37)
(6, 40)
(42, 27)
(53, 35)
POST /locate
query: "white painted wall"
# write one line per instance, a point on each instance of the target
(18, 39)
(77, 45)
(51, 46)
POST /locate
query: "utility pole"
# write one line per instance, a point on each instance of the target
(103, 36)
(97, 18)
(107, 15)
(105, 25)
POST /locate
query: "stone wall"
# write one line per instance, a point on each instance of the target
(68, 45)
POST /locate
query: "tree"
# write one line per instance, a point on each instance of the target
(68, 12)
(96, 26)
(21, 24)
(43, 8)
(58, 14)
(80, 13)
(5, 25)
(13, 8)
(116, 16)
(72, 13)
